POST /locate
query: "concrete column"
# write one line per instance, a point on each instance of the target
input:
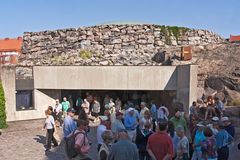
(9, 85)
(187, 85)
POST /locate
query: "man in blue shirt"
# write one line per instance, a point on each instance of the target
(223, 139)
(131, 122)
(219, 107)
(153, 110)
(69, 125)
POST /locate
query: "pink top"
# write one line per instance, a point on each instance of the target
(79, 140)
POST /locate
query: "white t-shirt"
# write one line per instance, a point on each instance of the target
(58, 108)
(49, 122)
(101, 128)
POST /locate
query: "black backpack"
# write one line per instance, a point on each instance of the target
(70, 144)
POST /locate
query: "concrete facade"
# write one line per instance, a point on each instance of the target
(48, 81)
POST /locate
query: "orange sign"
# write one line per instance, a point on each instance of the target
(186, 53)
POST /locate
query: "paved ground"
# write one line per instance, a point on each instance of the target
(25, 141)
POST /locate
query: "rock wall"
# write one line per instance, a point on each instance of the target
(108, 44)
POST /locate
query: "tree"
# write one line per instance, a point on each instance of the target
(3, 116)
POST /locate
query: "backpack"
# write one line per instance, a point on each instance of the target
(70, 144)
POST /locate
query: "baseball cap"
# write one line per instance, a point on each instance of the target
(71, 110)
(224, 119)
(215, 119)
(200, 124)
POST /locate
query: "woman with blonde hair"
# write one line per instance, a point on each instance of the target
(49, 125)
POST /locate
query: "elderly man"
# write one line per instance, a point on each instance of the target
(228, 126)
(117, 124)
(123, 149)
(101, 128)
(131, 122)
(69, 124)
(178, 119)
(160, 145)
(143, 109)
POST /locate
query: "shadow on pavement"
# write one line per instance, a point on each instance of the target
(40, 139)
(57, 153)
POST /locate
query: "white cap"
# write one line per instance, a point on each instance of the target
(200, 124)
(130, 109)
(103, 118)
(215, 119)
(225, 119)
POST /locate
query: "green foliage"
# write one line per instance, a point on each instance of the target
(85, 54)
(172, 30)
(3, 116)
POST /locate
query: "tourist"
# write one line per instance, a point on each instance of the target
(183, 145)
(143, 109)
(160, 144)
(95, 108)
(79, 103)
(86, 106)
(214, 125)
(198, 138)
(81, 141)
(131, 123)
(109, 121)
(219, 107)
(58, 113)
(69, 125)
(117, 125)
(118, 103)
(223, 140)
(175, 139)
(154, 113)
(193, 116)
(104, 150)
(210, 107)
(106, 100)
(163, 113)
(146, 118)
(179, 120)
(228, 126)
(208, 146)
(124, 149)
(65, 106)
(100, 129)
(50, 126)
(193, 111)
(142, 138)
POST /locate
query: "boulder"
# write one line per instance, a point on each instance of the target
(214, 83)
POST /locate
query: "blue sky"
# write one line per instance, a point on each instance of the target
(18, 16)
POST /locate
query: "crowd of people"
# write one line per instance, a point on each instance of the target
(144, 131)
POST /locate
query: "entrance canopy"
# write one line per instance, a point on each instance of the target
(106, 77)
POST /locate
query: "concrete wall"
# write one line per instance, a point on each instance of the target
(8, 81)
(187, 85)
(48, 82)
(42, 98)
(105, 77)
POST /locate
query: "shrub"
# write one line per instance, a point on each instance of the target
(84, 54)
(3, 116)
